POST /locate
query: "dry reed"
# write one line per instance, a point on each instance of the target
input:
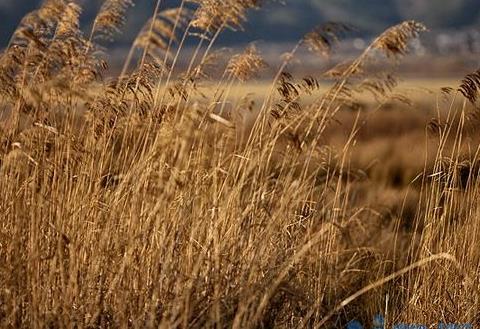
(121, 207)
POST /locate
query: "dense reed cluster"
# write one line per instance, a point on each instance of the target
(159, 199)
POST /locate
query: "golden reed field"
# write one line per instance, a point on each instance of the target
(164, 198)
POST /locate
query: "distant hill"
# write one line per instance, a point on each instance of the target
(283, 23)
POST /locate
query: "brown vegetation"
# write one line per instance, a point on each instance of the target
(142, 202)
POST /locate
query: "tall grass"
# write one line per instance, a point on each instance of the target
(141, 202)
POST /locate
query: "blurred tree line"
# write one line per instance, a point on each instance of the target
(288, 22)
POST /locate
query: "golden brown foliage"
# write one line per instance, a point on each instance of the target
(158, 34)
(394, 41)
(245, 66)
(149, 202)
(323, 38)
(470, 86)
(214, 15)
(110, 18)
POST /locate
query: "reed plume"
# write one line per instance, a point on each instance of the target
(470, 86)
(110, 18)
(158, 34)
(322, 39)
(212, 15)
(246, 65)
(69, 23)
(40, 23)
(394, 41)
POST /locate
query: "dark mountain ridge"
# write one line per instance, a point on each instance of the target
(289, 21)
